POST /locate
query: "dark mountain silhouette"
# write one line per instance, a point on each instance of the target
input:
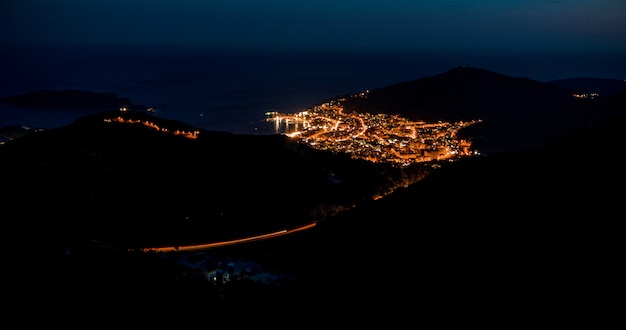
(517, 113)
(519, 234)
(462, 93)
(144, 183)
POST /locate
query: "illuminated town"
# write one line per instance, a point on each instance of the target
(377, 138)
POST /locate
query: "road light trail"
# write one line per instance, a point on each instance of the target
(206, 246)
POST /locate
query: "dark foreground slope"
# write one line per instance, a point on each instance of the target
(533, 236)
(503, 240)
(75, 199)
(132, 184)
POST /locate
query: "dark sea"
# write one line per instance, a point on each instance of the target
(231, 89)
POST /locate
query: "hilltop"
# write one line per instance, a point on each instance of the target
(517, 113)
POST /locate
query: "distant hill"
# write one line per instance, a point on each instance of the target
(517, 113)
(462, 93)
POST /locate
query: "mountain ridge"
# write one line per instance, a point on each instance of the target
(517, 113)
(157, 166)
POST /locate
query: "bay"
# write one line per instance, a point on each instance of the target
(231, 89)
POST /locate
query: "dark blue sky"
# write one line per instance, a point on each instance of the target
(534, 26)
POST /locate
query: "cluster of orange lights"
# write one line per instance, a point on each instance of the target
(586, 95)
(187, 134)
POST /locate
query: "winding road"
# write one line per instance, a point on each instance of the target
(206, 246)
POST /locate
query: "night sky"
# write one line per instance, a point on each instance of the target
(508, 26)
